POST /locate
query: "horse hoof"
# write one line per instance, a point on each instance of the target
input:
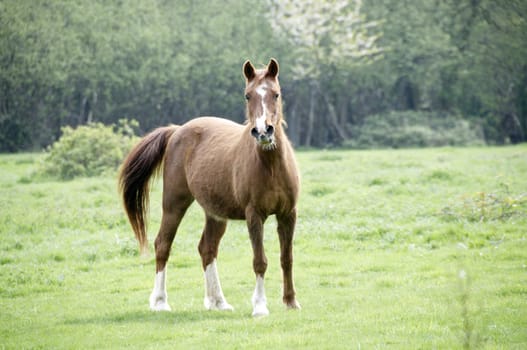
(160, 306)
(293, 305)
(159, 302)
(260, 310)
(225, 307)
(220, 305)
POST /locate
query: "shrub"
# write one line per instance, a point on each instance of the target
(414, 129)
(88, 150)
(486, 206)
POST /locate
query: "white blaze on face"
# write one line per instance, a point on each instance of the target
(260, 121)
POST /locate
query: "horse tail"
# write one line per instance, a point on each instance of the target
(143, 161)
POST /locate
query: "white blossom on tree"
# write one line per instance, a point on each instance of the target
(324, 32)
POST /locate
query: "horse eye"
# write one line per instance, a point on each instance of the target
(276, 96)
(247, 97)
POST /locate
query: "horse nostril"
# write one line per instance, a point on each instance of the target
(254, 132)
(269, 130)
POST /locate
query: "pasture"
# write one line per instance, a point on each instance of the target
(393, 249)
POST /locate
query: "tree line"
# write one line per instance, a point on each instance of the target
(351, 71)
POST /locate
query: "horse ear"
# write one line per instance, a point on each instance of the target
(248, 70)
(272, 68)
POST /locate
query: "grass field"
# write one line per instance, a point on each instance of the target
(405, 249)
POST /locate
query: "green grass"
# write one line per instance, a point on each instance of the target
(402, 249)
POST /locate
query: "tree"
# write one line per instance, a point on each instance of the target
(70, 62)
(326, 36)
(492, 36)
(67, 63)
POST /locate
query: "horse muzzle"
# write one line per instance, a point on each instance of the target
(265, 138)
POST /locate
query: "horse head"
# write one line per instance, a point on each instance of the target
(264, 105)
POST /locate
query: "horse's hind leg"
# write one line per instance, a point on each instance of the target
(286, 228)
(208, 249)
(174, 208)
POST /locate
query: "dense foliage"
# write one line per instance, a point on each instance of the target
(69, 63)
(413, 129)
(88, 150)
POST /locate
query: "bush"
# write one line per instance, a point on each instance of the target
(500, 204)
(88, 150)
(414, 129)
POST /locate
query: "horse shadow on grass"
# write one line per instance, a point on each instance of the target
(155, 317)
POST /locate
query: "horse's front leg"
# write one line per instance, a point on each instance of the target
(255, 225)
(286, 229)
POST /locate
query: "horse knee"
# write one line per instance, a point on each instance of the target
(287, 264)
(260, 266)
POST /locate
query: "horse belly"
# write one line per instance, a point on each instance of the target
(220, 207)
(211, 186)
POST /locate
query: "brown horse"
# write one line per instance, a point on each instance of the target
(242, 172)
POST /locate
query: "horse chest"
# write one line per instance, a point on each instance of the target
(274, 192)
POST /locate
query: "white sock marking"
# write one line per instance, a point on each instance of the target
(259, 299)
(214, 298)
(159, 297)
